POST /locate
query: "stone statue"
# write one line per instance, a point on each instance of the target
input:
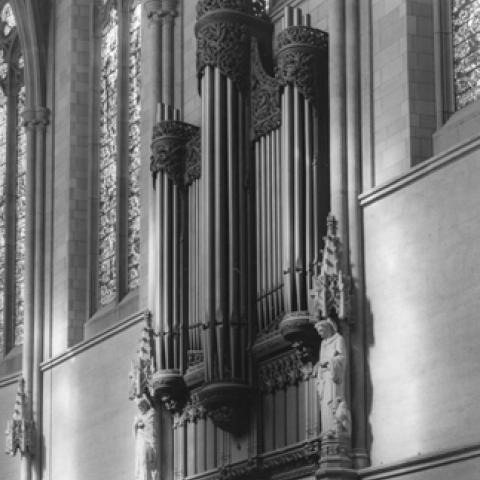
(331, 369)
(146, 441)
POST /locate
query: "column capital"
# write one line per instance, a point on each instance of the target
(161, 10)
(34, 118)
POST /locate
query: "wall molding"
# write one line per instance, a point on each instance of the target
(423, 169)
(87, 344)
(420, 463)
(10, 379)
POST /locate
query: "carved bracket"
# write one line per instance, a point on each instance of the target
(265, 97)
(297, 328)
(169, 387)
(331, 294)
(303, 53)
(227, 403)
(169, 149)
(20, 431)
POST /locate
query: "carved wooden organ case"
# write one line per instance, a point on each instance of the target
(241, 205)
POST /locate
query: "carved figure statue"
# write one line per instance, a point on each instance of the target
(331, 369)
(146, 441)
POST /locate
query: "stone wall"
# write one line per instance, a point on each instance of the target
(422, 277)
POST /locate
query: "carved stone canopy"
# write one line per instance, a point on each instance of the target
(20, 430)
(330, 294)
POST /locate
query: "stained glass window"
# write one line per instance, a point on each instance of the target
(20, 222)
(12, 183)
(134, 146)
(3, 167)
(7, 18)
(466, 51)
(108, 159)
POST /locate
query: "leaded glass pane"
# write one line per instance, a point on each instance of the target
(8, 19)
(134, 146)
(108, 159)
(20, 223)
(466, 51)
(3, 166)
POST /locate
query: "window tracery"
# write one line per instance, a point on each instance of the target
(466, 51)
(134, 145)
(12, 183)
(108, 158)
(112, 159)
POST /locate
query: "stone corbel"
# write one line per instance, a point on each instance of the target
(20, 431)
(227, 403)
(170, 151)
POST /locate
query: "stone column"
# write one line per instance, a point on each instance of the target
(41, 122)
(169, 14)
(357, 350)
(152, 42)
(29, 117)
(338, 157)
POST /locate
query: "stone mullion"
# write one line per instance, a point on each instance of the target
(122, 153)
(29, 272)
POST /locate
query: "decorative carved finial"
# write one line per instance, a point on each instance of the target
(330, 294)
(143, 367)
(20, 431)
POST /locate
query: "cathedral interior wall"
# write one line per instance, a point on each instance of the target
(88, 417)
(421, 254)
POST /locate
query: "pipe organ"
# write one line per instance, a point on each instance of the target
(241, 207)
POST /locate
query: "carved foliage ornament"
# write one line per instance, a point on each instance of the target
(224, 45)
(298, 67)
(283, 372)
(169, 157)
(20, 431)
(169, 148)
(303, 35)
(252, 7)
(193, 169)
(300, 51)
(266, 111)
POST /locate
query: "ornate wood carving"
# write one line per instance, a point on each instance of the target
(227, 403)
(297, 328)
(250, 7)
(224, 45)
(265, 97)
(301, 50)
(169, 149)
(194, 159)
(20, 431)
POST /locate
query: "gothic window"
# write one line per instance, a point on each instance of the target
(120, 20)
(466, 51)
(12, 183)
